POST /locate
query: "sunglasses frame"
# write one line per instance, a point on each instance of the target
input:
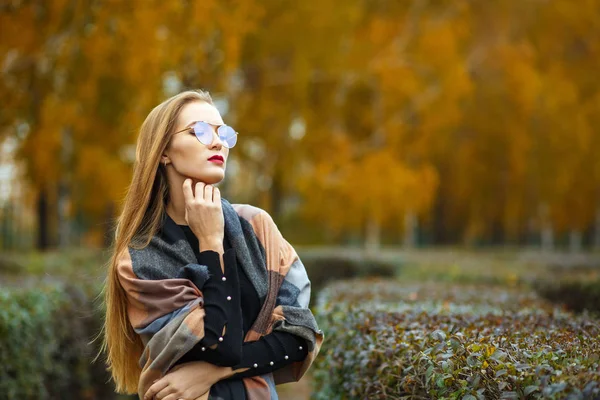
(208, 123)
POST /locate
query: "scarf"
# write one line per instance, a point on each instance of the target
(163, 284)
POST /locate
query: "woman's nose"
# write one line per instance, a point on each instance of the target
(218, 139)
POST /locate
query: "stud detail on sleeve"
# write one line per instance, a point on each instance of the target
(300, 348)
(223, 279)
(221, 339)
(271, 363)
(286, 357)
(203, 348)
(228, 297)
(255, 365)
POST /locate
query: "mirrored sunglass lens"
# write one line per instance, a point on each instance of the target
(231, 141)
(227, 135)
(203, 132)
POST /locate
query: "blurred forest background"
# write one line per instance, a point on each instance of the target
(370, 122)
(449, 147)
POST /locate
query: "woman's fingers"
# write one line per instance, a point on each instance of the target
(199, 194)
(208, 193)
(166, 394)
(175, 396)
(217, 195)
(201, 191)
(179, 396)
(203, 397)
(188, 195)
(155, 388)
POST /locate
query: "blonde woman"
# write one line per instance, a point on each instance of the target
(204, 299)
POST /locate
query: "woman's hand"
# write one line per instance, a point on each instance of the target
(203, 212)
(188, 381)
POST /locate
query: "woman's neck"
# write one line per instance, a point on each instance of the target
(176, 203)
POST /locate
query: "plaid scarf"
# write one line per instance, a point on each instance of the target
(163, 284)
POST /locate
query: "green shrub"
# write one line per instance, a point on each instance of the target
(387, 341)
(45, 350)
(9, 265)
(322, 269)
(575, 295)
(68, 265)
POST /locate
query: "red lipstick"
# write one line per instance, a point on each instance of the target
(217, 159)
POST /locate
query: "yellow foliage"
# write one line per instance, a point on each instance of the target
(488, 110)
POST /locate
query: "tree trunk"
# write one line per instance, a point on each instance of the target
(410, 229)
(8, 231)
(42, 214)
(597, 230)
(440, 227)
(63, 198)
(575, 240)
(64, 225)
(372, 235)
(276, 193)
(547, 233)
(547, 238)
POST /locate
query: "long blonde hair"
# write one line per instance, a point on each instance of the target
(140, 219)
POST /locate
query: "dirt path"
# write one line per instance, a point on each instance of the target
(296, 391)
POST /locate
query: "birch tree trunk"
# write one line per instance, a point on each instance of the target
(372, 236)
(547, 233)
(575, 240)
(410, 229)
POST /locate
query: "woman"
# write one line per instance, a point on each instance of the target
(204, 299)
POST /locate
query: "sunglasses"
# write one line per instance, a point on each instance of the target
(204, 133)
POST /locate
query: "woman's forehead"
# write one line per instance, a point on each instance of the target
(199, 111)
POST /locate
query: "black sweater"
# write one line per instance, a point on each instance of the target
(231, 301)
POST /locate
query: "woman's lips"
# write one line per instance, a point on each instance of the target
(217, 159)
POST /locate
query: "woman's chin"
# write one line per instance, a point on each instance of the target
(211, 179)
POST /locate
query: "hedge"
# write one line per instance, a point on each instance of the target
(45, 350)
(323, 269)
(389, 341)
(576, 295)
